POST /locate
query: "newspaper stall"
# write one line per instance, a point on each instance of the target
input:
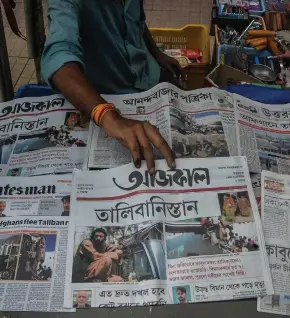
(275, 217)
(180, 236)
(196, 124)
(41, 135)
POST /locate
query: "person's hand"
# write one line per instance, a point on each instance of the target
(138, 137)
(285, 56)
(169, 63)
(119, 253)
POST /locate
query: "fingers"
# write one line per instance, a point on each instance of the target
(158, 141)
(146, 149)
(133, 146)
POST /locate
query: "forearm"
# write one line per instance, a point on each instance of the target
(150, 43)
(70, 80)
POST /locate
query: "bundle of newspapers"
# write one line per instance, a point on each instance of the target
(74, 238)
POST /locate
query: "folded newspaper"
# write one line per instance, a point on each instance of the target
(275, 217)
(33, 242)
(180, 236)
(196, 124)
(41, 135)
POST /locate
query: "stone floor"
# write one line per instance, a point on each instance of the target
(160, 13)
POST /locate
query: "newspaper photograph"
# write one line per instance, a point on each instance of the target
(37, 196)
(33, 252)
(41, 135)
(179, 236)
(275, 221)
(196, 124)
(263, 135)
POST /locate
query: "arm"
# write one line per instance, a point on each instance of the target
(89, 248)
(167, 62)
(62, 67)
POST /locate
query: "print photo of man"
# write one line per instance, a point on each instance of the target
(96, 260)
(181, 294)
(81, 300)
(66, 205)
(2, 208)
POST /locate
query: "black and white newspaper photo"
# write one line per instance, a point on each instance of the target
(33, 254)
(41, 135)
(263, 133)
(196, 124)
(192, 234)
(37, 196)
(276, 224)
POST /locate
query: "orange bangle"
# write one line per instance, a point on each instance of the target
(99, 110)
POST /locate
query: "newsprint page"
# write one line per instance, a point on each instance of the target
(33, 242)
(196, 124)
(276, 224)
(41, 135)
(180, 236)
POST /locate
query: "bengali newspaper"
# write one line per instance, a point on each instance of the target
(196, 124)
(276, 220)
(41, 135)
(263, 135)
(33, 255)
(180, 236)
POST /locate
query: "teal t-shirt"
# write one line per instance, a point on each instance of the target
(106, 38)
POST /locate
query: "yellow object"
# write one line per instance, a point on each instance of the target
(191, 36)
(100, 110)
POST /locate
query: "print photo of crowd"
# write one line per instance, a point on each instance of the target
(50, 137)
(119, 254)
(208, 236)
(198, 135)
(235, 207)
(27, 256)
(199, 146)
(203, 123)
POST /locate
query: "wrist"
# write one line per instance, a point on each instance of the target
(100, 110)
(109, 118)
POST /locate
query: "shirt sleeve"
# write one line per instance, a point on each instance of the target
(62, 45)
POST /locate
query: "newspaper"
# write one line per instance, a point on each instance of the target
(34, 216)
(37, 196)
(263, 133)
(187, 235)
(41, 135)
(196, 124)
(33, 253)
(275, 217)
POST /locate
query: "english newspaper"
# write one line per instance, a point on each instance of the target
(34, 218)
(181, 236)
(276, 221)
(41, 135)
(196, 124)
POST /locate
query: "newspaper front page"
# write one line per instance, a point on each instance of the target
(276, 224)
(187, 235)
(196, 124)
(37, 196)
(263, 133)
(33, 254)
(41, 135)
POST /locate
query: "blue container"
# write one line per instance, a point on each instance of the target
(251, 12)
(224, 49)
(34, 90)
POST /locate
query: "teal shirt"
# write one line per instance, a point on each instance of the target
(106, 38)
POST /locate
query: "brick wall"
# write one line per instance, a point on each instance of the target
(177, 13)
